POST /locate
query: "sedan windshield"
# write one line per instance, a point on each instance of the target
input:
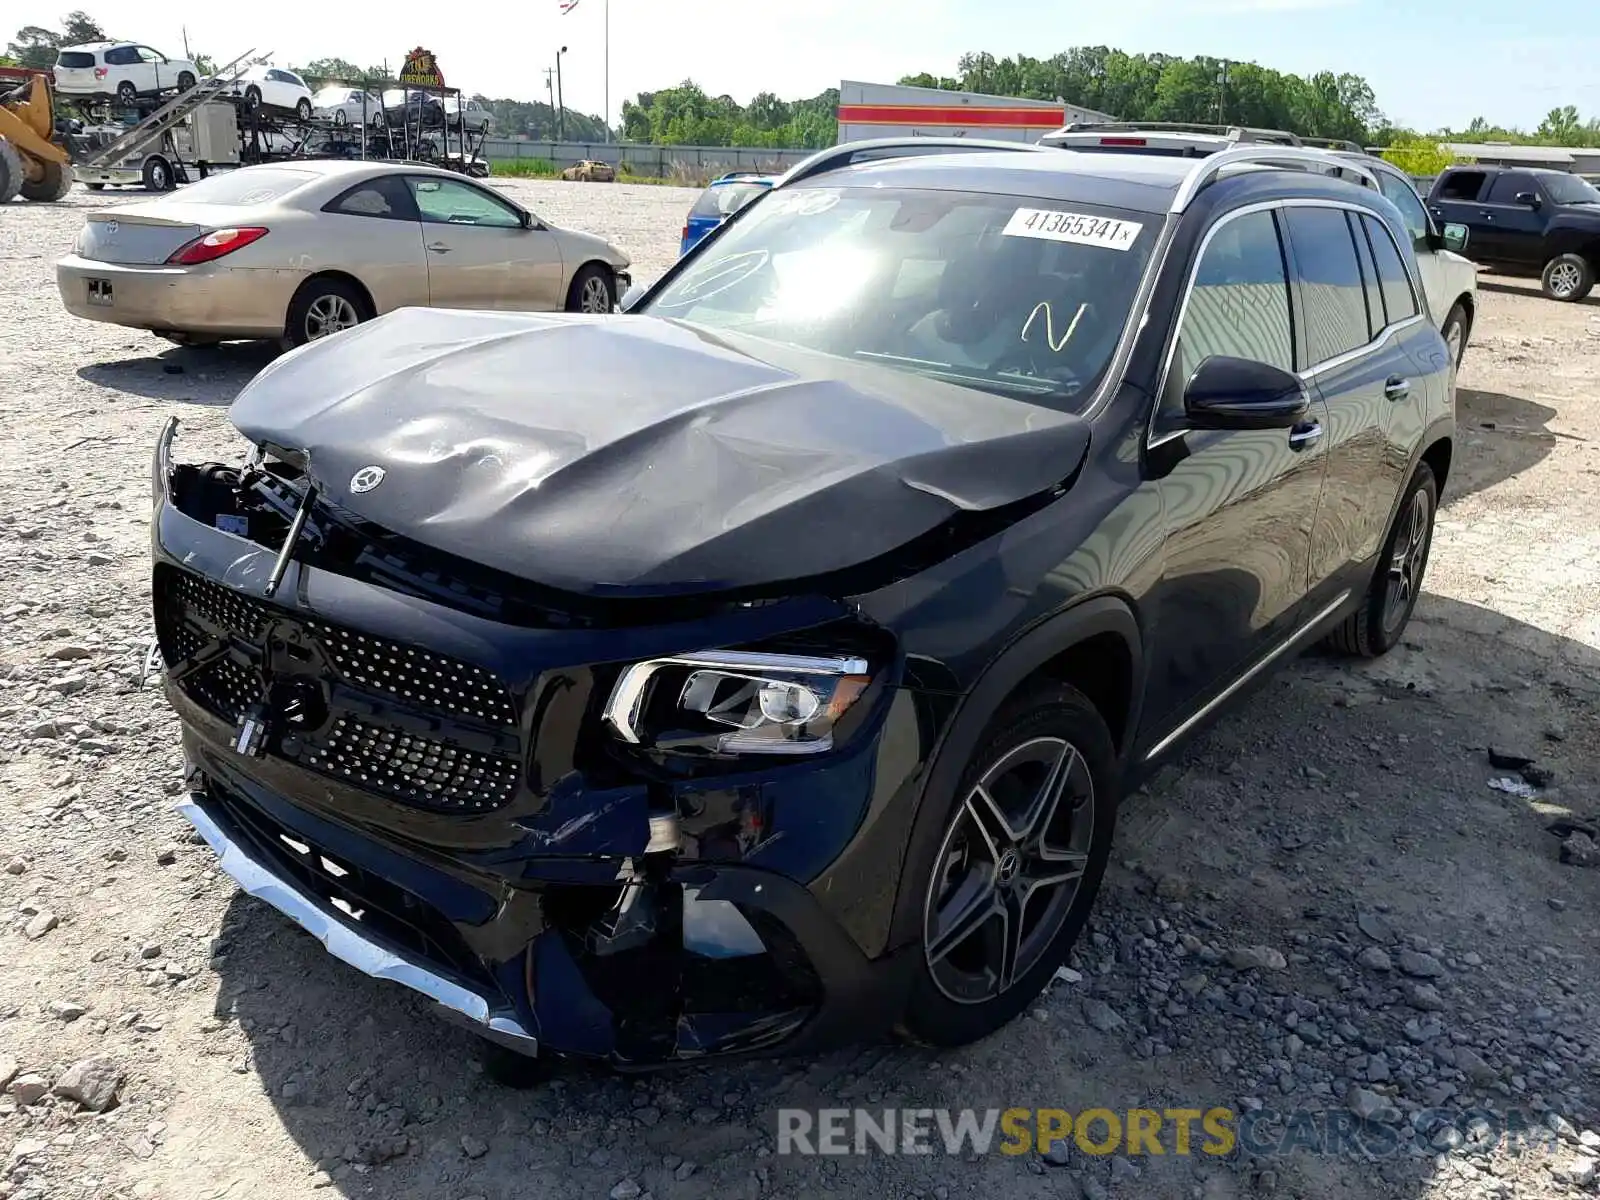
(1013, 295)
(1569, 189)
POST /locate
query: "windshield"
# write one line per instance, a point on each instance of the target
(726, 198)
(250, 185)
(1022, 297)
(1569, 189)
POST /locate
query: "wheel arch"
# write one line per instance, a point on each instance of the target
(1085, 646)
(332, 273)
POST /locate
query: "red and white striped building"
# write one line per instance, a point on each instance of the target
(876, 110)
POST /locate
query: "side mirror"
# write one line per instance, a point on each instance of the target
(631, 297)
(1455, 238)
(1531, 199)
(1240, 393)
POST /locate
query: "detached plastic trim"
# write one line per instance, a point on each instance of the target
(347, 945)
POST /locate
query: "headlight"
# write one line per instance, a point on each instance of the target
(736, 702)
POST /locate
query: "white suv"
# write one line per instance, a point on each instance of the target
(266, 86)
(125, 70)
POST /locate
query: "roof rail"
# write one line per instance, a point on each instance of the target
(1333, 144)
(1299, 158)
(875, 148)
(1235, 133)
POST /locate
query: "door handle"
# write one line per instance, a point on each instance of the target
(439, 248)
(1397, 388)
(1487, 216)
(1302, 436)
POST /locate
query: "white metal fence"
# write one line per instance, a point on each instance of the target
(661, 161)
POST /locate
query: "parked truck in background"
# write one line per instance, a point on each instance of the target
(1526, 222)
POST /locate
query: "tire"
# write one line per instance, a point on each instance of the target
(1455, 330)
(320, 302)
(12, 173)
(1567, 277)
(1376, 627)
(185, 81)
(55, 184)
(158, 174)
(510, 1069)
(252, 97)
(1042, 747)
(593, 290)
(126, 92)
(95, 187)
(302, 109)
(339, 118)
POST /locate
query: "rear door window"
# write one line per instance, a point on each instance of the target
(1461, 185)
(1376, 319)
(122, 56)
(1331, 286)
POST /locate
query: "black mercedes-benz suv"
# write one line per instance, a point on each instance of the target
(761, 667)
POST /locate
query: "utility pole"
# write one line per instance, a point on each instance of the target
(561, 106)
(1222, 94)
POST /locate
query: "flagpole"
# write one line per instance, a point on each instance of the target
(607, 51)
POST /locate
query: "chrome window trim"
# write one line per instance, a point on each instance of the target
(1152, 439)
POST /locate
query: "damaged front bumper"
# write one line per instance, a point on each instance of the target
(431, 800)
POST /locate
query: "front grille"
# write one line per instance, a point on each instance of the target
(411, 767)
(355, 895)
(358, 698)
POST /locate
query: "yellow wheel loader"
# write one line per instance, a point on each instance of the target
(31, 164)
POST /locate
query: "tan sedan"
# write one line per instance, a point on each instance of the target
(304, 249)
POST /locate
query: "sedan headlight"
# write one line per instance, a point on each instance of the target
(736, 702)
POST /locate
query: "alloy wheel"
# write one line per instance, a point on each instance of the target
(328, 315)
(1408, 561)
(1565, 279)
(596, 297)
(1008, 869)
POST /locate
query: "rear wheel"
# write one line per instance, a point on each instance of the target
(12, 174)
(1376, 626)
(1009, 884)
(158, 174)
(185, 81)
(252, 97)
(53, 184)
(322, 308)
(126, 92)
(1567, 277)
(302, 109)
(593, 290)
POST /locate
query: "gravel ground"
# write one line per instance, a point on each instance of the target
(1324, 906)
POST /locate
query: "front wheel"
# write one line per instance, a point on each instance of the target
(54, 182)
(252, 97)
(1568, 277)
(157, 174)
(185, 80)
(1011, 880)
(1375, 627)
(593, 290)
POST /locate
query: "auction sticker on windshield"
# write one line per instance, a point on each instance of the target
(1081, 228)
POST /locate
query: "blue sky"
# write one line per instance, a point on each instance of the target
(1431, 62)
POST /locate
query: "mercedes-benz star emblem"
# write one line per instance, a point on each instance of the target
(366, 479)
(1008, 866)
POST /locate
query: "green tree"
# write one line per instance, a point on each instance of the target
(35, 46)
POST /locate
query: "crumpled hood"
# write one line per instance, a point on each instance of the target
(635, 455)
